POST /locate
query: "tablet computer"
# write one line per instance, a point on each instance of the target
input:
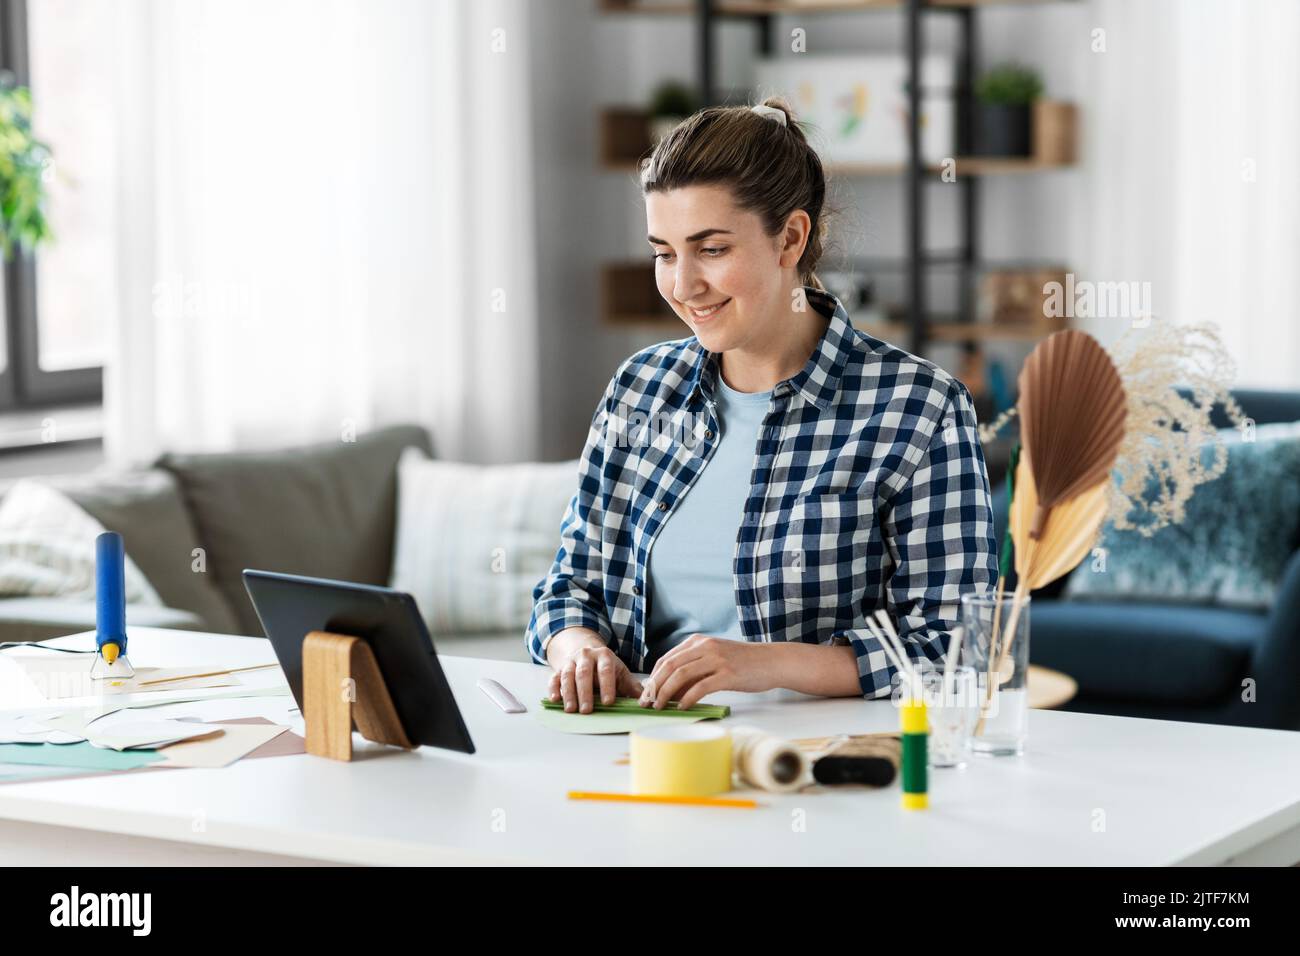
(290, 606)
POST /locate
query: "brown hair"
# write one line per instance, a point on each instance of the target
(770, 168)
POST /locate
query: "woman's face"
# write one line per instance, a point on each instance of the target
(727, 279)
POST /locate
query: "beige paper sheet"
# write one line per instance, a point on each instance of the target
(235, 741)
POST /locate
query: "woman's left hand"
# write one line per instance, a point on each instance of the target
(702, 664)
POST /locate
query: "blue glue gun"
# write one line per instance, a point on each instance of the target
(110, 608)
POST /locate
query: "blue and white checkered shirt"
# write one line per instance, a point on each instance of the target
(869, 491)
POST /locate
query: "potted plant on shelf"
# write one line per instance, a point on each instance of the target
(1005, 98)
(670, 103)
(26, 166)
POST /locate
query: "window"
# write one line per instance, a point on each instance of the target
(58, 304)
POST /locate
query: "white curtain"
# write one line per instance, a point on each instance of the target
(327, 226)
(1191, 138)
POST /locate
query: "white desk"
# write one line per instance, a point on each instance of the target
(1090, 790)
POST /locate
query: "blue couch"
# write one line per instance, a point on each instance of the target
(1175, 661)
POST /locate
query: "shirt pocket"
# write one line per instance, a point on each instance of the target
(822, 555)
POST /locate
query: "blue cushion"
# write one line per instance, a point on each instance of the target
(1146, 651)
(1260, 404)
(1231, 548)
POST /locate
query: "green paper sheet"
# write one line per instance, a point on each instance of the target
(597, 723)
(21, 772)
(631, 705)
(83, 756)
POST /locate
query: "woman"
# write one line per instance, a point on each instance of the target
(748, 496)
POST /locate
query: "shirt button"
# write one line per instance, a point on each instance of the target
(708, 433)
(636, 589)
(663, 506)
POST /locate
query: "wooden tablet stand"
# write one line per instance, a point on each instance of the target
(341, 685)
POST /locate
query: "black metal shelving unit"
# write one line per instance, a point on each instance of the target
(917, 260)
(630, 296)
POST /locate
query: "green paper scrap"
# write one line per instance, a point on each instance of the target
(83, 756)
(632, 705)
(608, 723)
(19, 772)
(621, 717)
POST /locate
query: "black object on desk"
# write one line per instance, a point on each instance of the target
(291, 606)
(870, 759)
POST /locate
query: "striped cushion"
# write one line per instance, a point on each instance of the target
(47, 548)
(473, 541)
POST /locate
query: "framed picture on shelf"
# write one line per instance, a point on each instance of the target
(855, 107)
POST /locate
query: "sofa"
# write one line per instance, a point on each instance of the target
(1177, 661)
(192, 523)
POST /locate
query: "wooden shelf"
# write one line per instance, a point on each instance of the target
(1001, 165)
(762, 8)
(625, 140)
(896, 333)
(629, 295)
(768, 7)
(630, 6)
(966, 166)
(990, 3)
(989, 332)
(624, 137)
(869, 169)
(899, 333)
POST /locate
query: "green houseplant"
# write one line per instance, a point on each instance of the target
(26, 164)
(1005, 97)
(670, 103)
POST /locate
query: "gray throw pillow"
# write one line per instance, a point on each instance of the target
(326, 510)
(145, 507)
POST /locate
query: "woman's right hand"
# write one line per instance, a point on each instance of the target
(584, 665)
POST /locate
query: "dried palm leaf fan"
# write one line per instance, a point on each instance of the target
(1056, 554)
(1072, 409)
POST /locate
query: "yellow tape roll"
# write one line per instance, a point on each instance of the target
(681, 760)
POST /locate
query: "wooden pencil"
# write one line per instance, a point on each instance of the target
(233, 670)
(739, 802)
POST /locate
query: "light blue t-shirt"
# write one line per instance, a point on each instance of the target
(689, 571)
